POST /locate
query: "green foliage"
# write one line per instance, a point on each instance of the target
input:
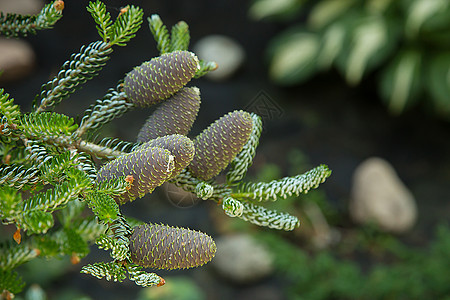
(14, 25)
(124, 27)
(406, 43)
(52, 190)
(8, 109)
(11, 281)
(407, 273)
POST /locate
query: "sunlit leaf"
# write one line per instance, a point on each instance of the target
(438, 81)
(400, 82)
(294, 57)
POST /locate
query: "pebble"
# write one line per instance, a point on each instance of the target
(23, 7)
(226, 52)
(242, 259)
(378, 196)
(17, 59)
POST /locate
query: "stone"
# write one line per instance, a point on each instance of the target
(226, 52)
(242, 259)
(23, 7)
(17, 59)
(378, 196)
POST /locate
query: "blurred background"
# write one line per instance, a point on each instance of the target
(362, 86)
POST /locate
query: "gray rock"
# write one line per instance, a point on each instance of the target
(17, 59)
(242, 259)
(226, 52)
(379, 196)
(24, 7)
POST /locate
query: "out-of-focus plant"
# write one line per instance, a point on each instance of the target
(396, 271)
(49, 162)
(407, 43)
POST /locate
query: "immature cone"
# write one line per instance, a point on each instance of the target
(161, 77)
(149, 167)
(165, 247)
(180, 146)
(218, 144)
(175, 115)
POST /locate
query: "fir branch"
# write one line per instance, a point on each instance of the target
(119, 251)
(90, 229)
(103, 206)
(232, 207)
(205, 190)
(241, 163)
(11, 282)
(73, 243)
(52, 169)
(284, 187)
(101, 17)
(13, 254)
(7, 108)
(262, 216)
(35, 221)
(143, 278)
(10, 201)
(113, 186)
(113, 105)
(80, 68)
(17, 176)
(14, 25)
(205, 68)
(71, 212)
(125, 26)
(110, 270)
(51, 199)
(160, 33)
(47, 125)
(37, 154)
(102, 150)
(180, 37)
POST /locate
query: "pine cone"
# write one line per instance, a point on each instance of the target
(180, 146)
(218, 144)
(161, 77)
(165, 247)
(175, 115)
(150, 167)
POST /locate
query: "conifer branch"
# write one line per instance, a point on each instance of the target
(81, 67)
(113, 105)
(180, 37)
(284, 187)
(241, 163)
(14, 25)
(262, 216)
(160, 33)
(8, 109)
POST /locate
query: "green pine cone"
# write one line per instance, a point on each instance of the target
(161, 77)
(150, 167)
(175, 115)
(218, 144)
(180, 146)
(165, 247)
